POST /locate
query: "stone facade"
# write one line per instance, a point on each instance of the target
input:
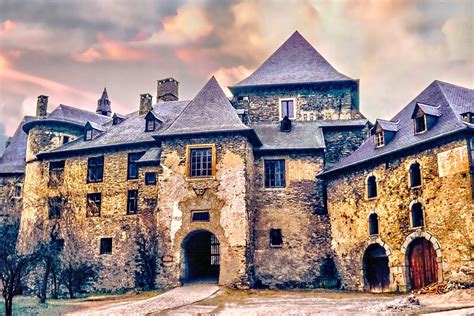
(11, 193)
(447, 204)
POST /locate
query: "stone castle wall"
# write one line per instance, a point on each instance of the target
(447, 207)
(11, 192)
(45, 138)
(341, 142)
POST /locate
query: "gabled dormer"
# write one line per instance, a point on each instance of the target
(424, 117)
(383, 132)
(92, 130)
(152, 122)
(117, 119)
(468, 117)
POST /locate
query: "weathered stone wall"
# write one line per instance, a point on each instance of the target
(305, 228)
(341, 142)
(318, 103)
(10, 202)
(447, 207)
(118, 269)
(225, 196)
(45, 138)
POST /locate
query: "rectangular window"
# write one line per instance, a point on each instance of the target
(275, 173)
(150, 178)
(215, 251)
(150, 125)
(18, 190)
(88, 134)
(105, 246)
(95, 169)
(93, 204)
(287, 108)
(132, 165)
(132, 202)
(200, 162)
(276, 239)
(200, 216)
(379, 139)
(420, 124)
(56, 173)
(54, 207)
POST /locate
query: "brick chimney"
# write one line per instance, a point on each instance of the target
(145, 103)
(167, 90)
(42, 106)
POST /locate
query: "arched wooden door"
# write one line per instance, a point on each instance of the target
(376, 270)
(422, 265)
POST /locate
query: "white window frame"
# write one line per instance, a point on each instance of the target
(281, 112)
(377, 138)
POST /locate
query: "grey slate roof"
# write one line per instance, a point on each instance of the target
(452, 101)
(66, 112)
(303, 135)
(131, 130)
(13, 159)
(294, 62)
(388, 125)
(209, 111)
(429, 109)
(152, 155)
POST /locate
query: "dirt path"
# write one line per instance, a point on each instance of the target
(175, 298)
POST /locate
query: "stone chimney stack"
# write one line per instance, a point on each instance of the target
(145, 103)
(42, 106)
(167, 90)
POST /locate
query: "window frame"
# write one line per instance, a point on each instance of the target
(200, 220)
(132, 195)
(147, 127)
(425, 123)
(265, 160)
(102, 246)
(271, 237)
(92, 198)
(422, 213)
(131, 163)
(371, 197)
(89, 134)
(99, 162)
(379, 139)
(377, 230)
(154, 180)
(410, 178)
(280, 107)
(56, 169)
(189, 149)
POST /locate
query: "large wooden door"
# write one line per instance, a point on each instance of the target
(423, 267)
(377, 272)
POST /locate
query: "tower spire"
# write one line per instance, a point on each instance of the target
(103, 104)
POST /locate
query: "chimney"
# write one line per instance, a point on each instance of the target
(167, 90)
(145, 103)
(42, 106)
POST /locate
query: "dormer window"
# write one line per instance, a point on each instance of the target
(88, 134)
(92, 130)
(468, 117)
(152, 122)
(117, 119)
(420, 124)
(379, 139)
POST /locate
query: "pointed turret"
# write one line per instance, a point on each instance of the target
(103, 104)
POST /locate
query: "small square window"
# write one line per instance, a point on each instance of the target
(276, 239)
(200, 216)
(93, 204)
(105, 246)
(150, 178)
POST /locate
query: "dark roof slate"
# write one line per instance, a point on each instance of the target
(152, 155)
(294, 62)
(14, 156)
(452, 101)
(66, 112)
(428, 109)
(209, 111)
(388, 125)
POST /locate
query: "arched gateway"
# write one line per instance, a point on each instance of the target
(201, 256)
(422, 264)
(376, 269)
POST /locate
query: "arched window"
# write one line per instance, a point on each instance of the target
(417, 215)
(373, 224)
(415, 175)
(371, 187)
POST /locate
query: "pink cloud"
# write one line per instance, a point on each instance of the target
(7, 26)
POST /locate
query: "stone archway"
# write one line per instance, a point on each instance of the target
(201, 256)
(423, 260)
(376, 269)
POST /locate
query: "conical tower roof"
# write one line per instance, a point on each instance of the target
(294, 62)
(103, 104)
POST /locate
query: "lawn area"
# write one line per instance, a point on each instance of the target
(29, 305)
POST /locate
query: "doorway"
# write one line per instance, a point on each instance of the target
(376, 270)
(422, 264)
(201, 257)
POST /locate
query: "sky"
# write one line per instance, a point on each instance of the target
(69, 50)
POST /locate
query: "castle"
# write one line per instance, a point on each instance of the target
(286, 184)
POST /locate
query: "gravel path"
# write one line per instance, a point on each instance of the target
(175, 298)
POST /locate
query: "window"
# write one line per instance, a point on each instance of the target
(373, 224)
(150, 125)
(132, 165)
(287, 108)
(215, 258)
(151, 203)
(276, 239)
(200, 162)
(379, 139)
(417, 215)
(105, 246)
(150, 178)
(420, 124)
(275, 173)
(93, 204)
(54, 207)
(95, 169)
(56, 173)
(371, 187)
(88, 134)
(415, 175)
(200, 216)
(18, 190)
(65, 139)
(132, 202)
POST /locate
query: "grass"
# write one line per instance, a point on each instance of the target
(29, 305)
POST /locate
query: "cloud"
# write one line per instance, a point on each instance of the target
(7, 26)
(229, 76)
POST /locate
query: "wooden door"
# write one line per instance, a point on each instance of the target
(423, 267)
(377, 272)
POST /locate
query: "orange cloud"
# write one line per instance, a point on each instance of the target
(108, 49)
(7, 26)
(229, 76)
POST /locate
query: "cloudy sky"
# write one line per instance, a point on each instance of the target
(70, 49)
